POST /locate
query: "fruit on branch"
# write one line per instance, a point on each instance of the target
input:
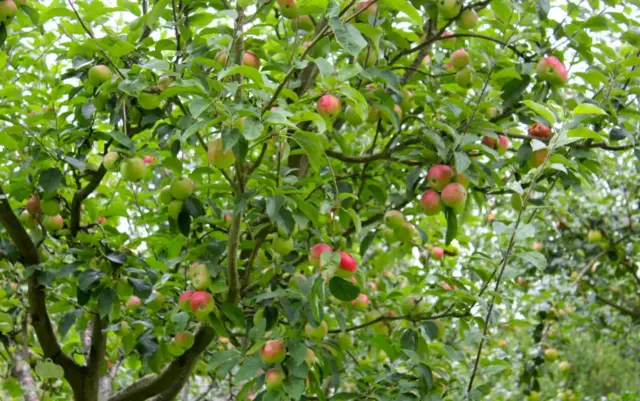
(28, 220)
(368, 57)
(427, 61)
(33, 204)
(98, 74)
(100, 100)
(165, 195)
(394, 219)
(464, 77)
(199, 276)
(361, 303)
(594, 236)
(8, 11)
(148, 159)
(431, 202)
(310, 359)
(184, 339)
(538, 130)
(217, 157)
(181, 188)
(454, 195)
(370, 10)
(133, 169)
(273, 352)
(288, 8)
(352, 117)
(185, 299)
(345, 340)
(552, 70)
(133, 303)
(446, 286)
(53, 223)
(538, 157)
(164, 82)
(158, 300)
(522, 282)
(316, 333)
(449, 8)
(347, 266)
(110, 161)
(221, 57)
(304, 23)
(439, 176)
(534, 396)
(283, 246)
(274, 379)
(201, 303)
(460, 59)
(174, 208)
(448, 42)
(537, 246)
(564, 366)
(315, 255)
(250, 59)
(406, 233)
(551, 354)
(149, 101)
(328, 106)
(50, 207)
(437, 253)
(468, 19)
(493, 111)
(502, 143)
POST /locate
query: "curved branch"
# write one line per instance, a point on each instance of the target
(385, 154)
(411, 318)
(81, 195)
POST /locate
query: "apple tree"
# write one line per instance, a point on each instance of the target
(311, 199)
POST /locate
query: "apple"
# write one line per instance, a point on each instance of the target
(217, 157)
(368, 57)
(174, 208)
(50, 207)
(250, 59)
(437, 253)
(133, 303)
(427, 61)
(370, 10)
(347, 266)
(361, 303)
(503, 144)
(316, 333)
(221, 57)
(464, 77)
(165, 195)
(199, 276)
(534, 396)
(328, 106)
(345, 340)
(538, 157)
(493, 111)
(99, 74)
(460, 59)
(564, 366)
(158, 300)
(283, 246)
(574, 275)
(468, 19)
(33, 204)
(454, 195)
(310, 359)
(149, 101)
(374, 115)
(184, 339)
(274, 379)
(462, 179)
(273, 352)
(381, 329)
(439, 176)
(388, 234)
(133, 169)
(537, 246)
(522, 282)
(29, 220)
(450, 42)
(449, 8)
(53, 223)
(445, 285)
(552, 70)
(489, 142)
(100, 100)
(551, 354)
(181, 188)
(304, 23)
(538, 130)
(394, 219)
(316, 252)
(406, 233)
(109, 161)
(288, 8)
(594, 236)
(352, 117)
(164, 82)
(201, 303)
(185, 298)
(102, 220)
(431, 202)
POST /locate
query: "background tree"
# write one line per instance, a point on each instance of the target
(389, 200)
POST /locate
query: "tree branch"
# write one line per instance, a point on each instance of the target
(411, 318)
(621, 309)
(385, 154)
(97, 353)
(233, 279)
(21, 370)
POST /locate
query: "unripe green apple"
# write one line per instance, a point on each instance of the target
(534, 396)
(50, 207)
(454, 195)
(133, 303)
(273, 352)
(283, 246)
(184, 339)
(28, 220)
(288, 8)
(464, 77)
(352, 117)
(406, 233)
(110, 161)
(564, 366)
(99, 74)
(394, 219)
(274, 379)
(53, 223)
(551, 354)
(449, 8)
(316, 333)
(310, 359)
(174, 209)
(303, 23)
(217, 157)
(594, 236)
(165, 195)
(468, 19)
(181, 188)
(345, 341)
(368, 57)
(133, 169)
(158, 300)
(381, 329)
(199, 276)
(149, 101)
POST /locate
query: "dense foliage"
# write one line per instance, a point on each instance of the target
(311, 200)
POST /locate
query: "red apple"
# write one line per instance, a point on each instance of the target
(431, 202)
(439, 176)
(149, 159)
(552, 70)
(427, 61)
(454, 195)
(316, 252)
(445, 285)
(460, 59)
(133, 303)
(53, 223)
(250, 59)
(316, 333)
(102, 220)
(538, 157)
(361, 303)
(522, 282)
(347, 266)
(328, 106)
(201, 303)
(273, 352)
(185, 297)
(437, 253)
(274, 379)
(503, 144)
(538, 130)
(33, 204)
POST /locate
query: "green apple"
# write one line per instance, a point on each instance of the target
(345, 341)
(174, 209)
(165, 195)
(181, 188)
(99, 74)
(316, 333)
(149, 101)
(53, 223)
(110, 161)
(283, 246)
(133, 169)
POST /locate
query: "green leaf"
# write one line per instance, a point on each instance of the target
(234, 313)
(248, 369)
(122, 139)
(51, 179)
(588, 108)
(252, 128)
(583, 132)
(535, 258)
(141, 288)
(541, 111)
(87, 278)
(312, 146)
(155, 12)
(343, 289)
(347, 36)
(405, 7)
(105, 299)
(245, 71)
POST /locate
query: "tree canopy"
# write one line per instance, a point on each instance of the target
(317, 200)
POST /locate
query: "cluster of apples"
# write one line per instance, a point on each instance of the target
(173, 195)
(538, 130)
(132, 169)
(444, 191)
(347, 266)
(396, 227)
(249, 59)
(47, 211)
(155, 301)
(460, 61)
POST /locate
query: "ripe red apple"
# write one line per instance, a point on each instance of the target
(464, 77)
(503, 144)
(454, 195)
(33, 204)
(102, 220)
(201, 303)
(522, 282)
(250, 59)
(184, 339)
(109, 161)
(328, 106)
(369, 12)
(52, 223)
(449, 8)
(217, 157)
(394, 219)
(274, 379)
(538, 130)
(149, 159)
(283, 246)
(439, 176)
(361, 303)
(437, 253)
(489, 142)
(185, 299)
(273, 352)
(468, 19)
(445, 285)
(316, 252)
(181, 188)
(347, 266)
(199, 276)
(538, 157)
(288, 8)
(316, 333)
(133, 169)
(537, 246)
(431, 202)
(427, 61)
(99, 74)
(133, 303)
(460, 59)
(552, 70)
